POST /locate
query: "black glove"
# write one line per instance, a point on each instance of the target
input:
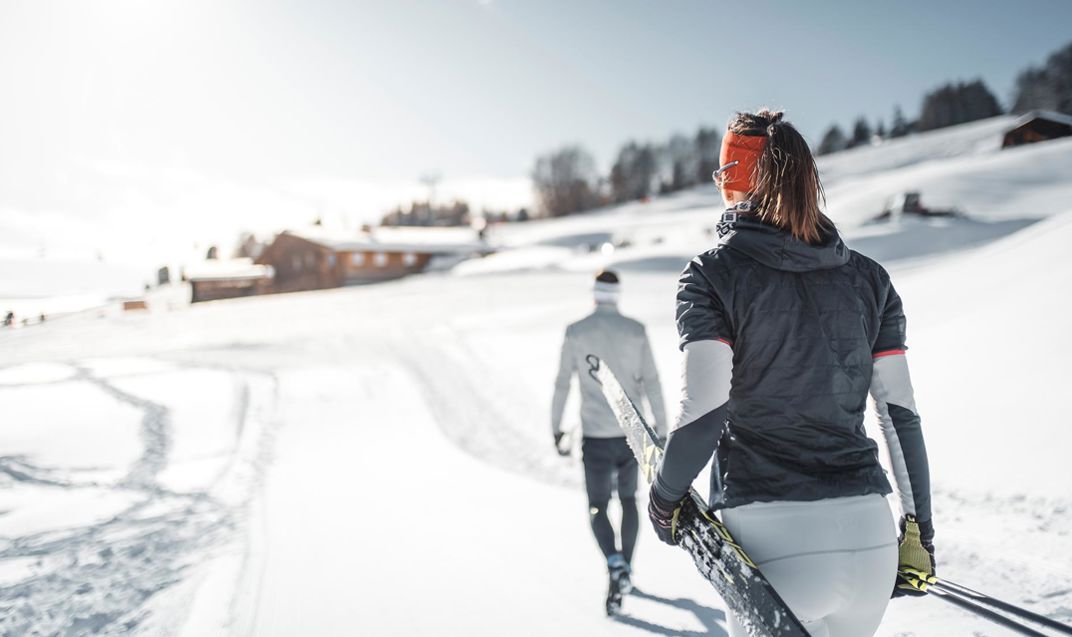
(558, 444)
(664, 516)
(915, 557)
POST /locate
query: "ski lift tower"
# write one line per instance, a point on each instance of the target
(430, 181)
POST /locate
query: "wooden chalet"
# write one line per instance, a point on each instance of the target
(1037, 126)
(213, 279)
(315, 259)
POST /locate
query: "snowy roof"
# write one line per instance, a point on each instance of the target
(425, 240)
(227, 269)
(1053, 116)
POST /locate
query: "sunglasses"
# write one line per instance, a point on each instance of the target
(718, 174)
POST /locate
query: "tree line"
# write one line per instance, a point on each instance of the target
(1046, 87)
(566, 180)
(948, 105)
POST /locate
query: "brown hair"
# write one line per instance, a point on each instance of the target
(787, 192)
(607, 276)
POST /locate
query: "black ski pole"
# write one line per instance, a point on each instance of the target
(983, 598)
(984, 612)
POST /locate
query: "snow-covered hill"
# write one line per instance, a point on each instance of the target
(377, 460)
(961, 167)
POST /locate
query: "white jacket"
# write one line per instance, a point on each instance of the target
(622, 344)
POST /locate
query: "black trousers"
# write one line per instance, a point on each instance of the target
(608, 462)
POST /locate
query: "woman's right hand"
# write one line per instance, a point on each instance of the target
(915, 557)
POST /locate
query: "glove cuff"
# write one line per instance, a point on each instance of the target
(661, 505)
(925, 528)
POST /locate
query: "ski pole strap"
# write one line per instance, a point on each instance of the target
(917, 579)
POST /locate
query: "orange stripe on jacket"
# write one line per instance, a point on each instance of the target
(745, 150)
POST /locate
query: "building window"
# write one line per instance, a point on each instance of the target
(295, 263)
(379, 259)
(357, 258)
(409, 259)
(331, 260)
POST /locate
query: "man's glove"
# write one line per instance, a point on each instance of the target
(562, 451)
(915, 557)
(664, 516)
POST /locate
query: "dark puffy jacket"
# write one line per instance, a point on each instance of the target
(803, 322)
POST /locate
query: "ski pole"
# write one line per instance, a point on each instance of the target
(984, 612)
(966, 601)
(983, 598)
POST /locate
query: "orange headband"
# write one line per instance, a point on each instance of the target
(745, 150)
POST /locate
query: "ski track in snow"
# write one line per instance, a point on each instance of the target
(483, 410)
(155, 435)
(96, 579)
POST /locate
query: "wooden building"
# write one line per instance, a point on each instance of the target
(134, 304)
(315, 259)
(1037, 126)
(299, 264)
(214, 279)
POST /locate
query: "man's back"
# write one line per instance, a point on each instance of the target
(622, 344)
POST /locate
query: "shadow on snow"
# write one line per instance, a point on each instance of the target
(713, 619)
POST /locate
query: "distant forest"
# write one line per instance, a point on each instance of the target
(566, 180)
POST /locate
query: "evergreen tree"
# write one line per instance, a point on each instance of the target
(1048, 87)
(956, 104)
(833, 141)
(680, 163)
(861, 133)
(634, 172)
(899, 126)
(708, 146)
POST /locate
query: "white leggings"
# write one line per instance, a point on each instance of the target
(832, 561)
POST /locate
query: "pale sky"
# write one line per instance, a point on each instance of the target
(181, 118)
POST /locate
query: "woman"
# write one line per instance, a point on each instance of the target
(784, 332)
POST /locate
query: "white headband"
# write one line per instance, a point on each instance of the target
(606, 292)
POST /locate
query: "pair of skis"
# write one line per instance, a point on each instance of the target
(737, 579)
(984, 605)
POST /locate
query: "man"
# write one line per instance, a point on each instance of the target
(622, 343)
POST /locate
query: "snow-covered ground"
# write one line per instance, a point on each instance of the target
(376, 460)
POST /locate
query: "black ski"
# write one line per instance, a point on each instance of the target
(736, 578)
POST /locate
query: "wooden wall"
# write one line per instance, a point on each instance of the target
(300, 264)
(358, 267)
(216, 289)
